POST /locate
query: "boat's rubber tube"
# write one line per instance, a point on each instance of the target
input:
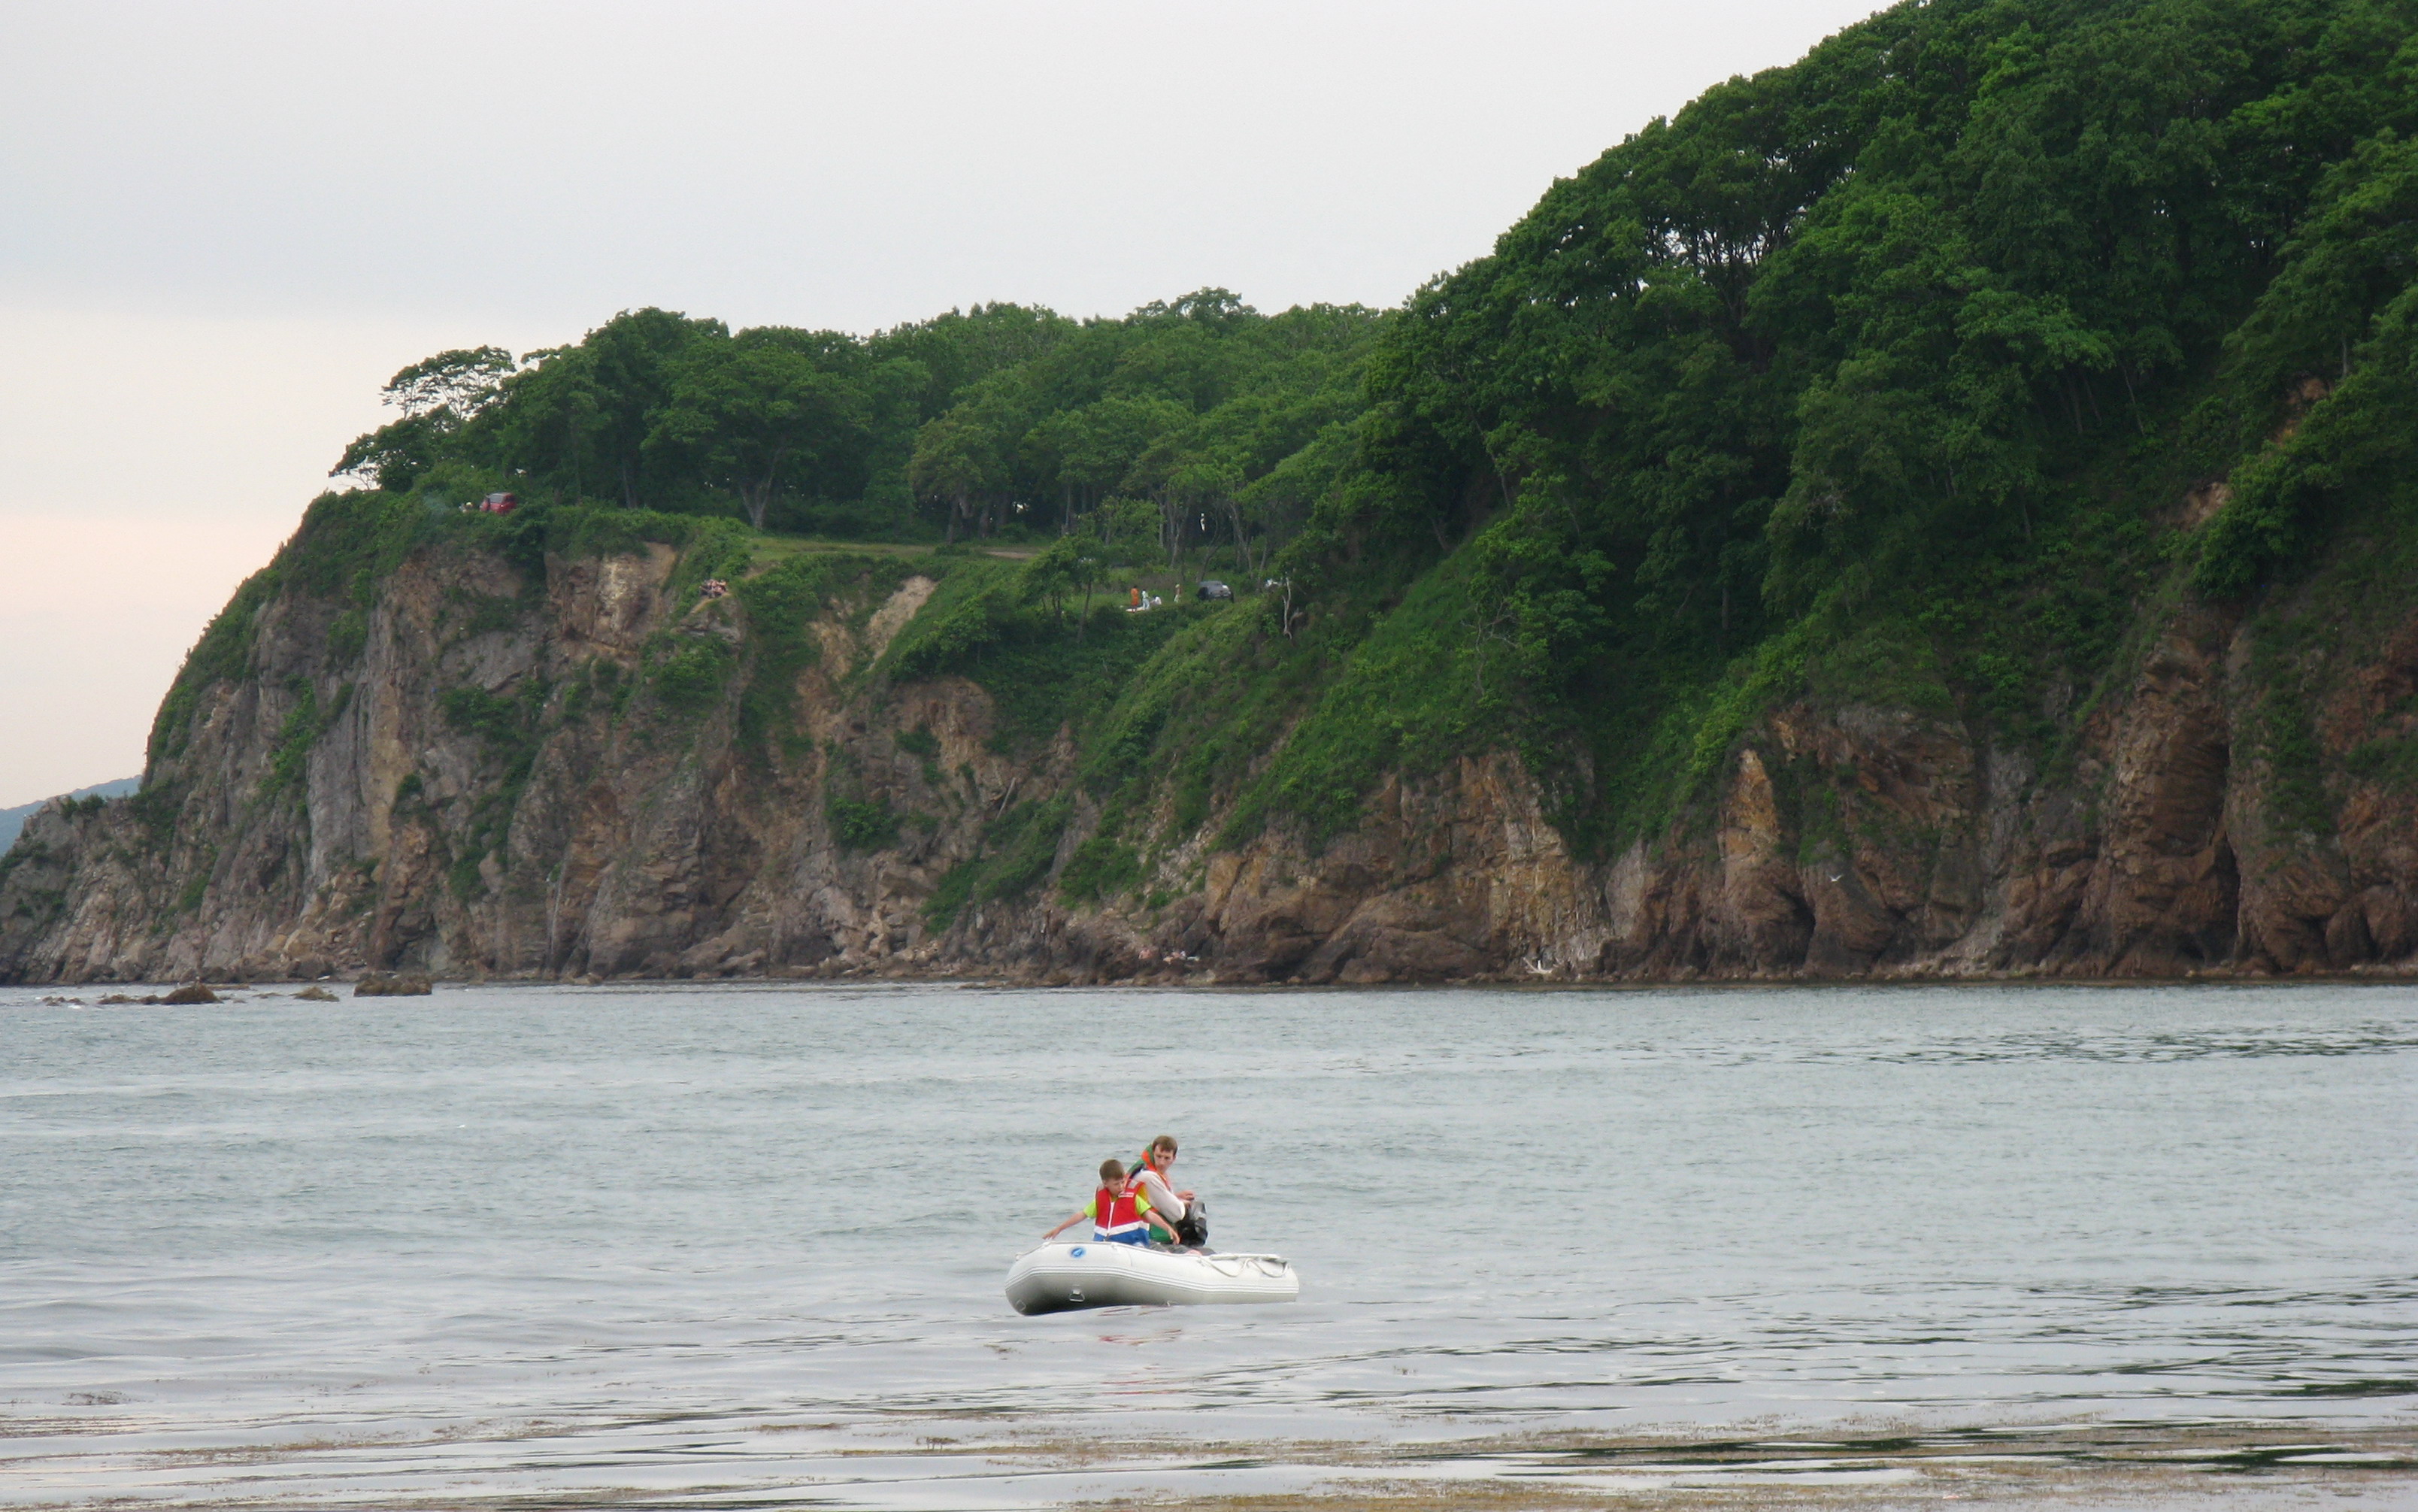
(1062, 1278)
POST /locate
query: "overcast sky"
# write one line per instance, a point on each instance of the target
(222, 226)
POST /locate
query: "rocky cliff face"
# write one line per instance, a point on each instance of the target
(476, 775)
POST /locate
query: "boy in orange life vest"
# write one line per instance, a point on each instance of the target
(1119, 1210)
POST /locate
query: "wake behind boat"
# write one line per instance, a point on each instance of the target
(1062, 1278)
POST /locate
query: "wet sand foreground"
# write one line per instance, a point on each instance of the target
(959, 1466)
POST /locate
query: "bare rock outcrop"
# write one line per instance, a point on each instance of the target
(460, 785)
(391, 985)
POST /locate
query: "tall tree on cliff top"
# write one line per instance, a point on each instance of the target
(580, 419)
(439, 396)
(960, 349)
(750, 414)
(959, 462)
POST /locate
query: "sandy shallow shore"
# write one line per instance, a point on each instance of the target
(2071, 1466)
(954, 1465)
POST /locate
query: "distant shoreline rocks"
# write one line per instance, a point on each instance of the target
(192, 993)
(391, 985)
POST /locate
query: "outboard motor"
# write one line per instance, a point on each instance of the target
(1193, 1228)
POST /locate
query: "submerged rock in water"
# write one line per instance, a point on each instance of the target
(391, 985)
(191, 992)
(318, 995)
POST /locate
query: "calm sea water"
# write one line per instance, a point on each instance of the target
(663, 1241)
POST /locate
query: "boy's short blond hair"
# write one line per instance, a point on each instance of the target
(1112, 1171)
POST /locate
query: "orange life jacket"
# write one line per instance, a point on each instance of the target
(1117, 1219)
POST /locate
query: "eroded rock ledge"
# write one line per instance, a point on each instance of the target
(1844, 842)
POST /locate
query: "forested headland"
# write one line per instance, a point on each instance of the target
(1832, 475)
(1000, 418)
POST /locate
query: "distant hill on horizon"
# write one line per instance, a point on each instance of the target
(12, 821)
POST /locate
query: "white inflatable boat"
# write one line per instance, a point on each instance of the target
(1060, 1277)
